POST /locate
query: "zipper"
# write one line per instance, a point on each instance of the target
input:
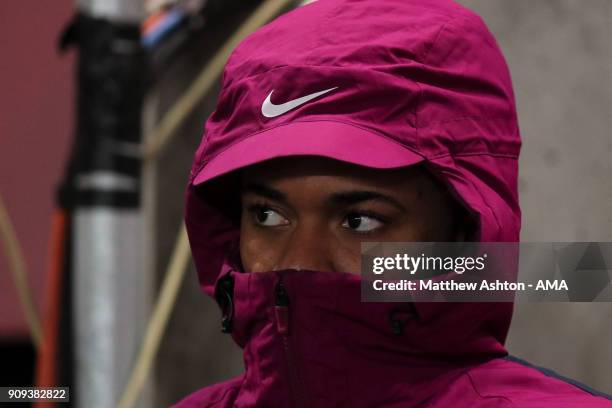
(281, 311)
(281, 308)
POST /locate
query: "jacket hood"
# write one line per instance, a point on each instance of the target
(426, 76)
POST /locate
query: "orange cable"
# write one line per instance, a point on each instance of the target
(46, 369)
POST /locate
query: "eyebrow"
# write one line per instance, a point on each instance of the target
(265, 191)
(358, 196)
(341, 198)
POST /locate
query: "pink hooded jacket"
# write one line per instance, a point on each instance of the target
(379, 83)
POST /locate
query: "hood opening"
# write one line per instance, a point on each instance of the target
(484, 186)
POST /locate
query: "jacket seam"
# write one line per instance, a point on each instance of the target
(475, 118)
(435, 41)
(415, 151)
(486, 202)
(224, 395)
(483, 153)
(204, 162)
(556, 376)
(421, 92)
(472, 383)
(218, 400)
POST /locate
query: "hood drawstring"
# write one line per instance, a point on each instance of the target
(224, 295)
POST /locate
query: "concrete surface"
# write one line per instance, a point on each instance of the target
(560, 57)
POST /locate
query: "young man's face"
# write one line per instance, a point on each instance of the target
(313, 212)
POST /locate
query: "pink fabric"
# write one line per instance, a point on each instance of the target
(416, 81)
(321, 138)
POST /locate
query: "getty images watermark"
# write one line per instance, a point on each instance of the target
(490, 272)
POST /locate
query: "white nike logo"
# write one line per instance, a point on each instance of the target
(270, 110)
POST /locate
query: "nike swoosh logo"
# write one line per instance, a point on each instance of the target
(270, 110)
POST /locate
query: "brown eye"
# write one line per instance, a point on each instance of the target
(361, 222)
(268, 217)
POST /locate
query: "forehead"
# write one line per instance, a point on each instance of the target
(309, 179)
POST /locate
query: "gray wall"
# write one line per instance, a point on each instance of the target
(561, 61)
(560, 56)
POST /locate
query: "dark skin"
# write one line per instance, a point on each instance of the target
(313, 213)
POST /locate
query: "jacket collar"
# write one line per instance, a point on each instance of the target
(308, 334)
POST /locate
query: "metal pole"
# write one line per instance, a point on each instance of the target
(112, 289)
(117, 11)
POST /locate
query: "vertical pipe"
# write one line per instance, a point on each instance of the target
(111, 289)
(117, 11)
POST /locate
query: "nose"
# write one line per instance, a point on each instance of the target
(306, 248)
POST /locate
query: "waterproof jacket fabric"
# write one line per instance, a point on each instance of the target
(406, 82)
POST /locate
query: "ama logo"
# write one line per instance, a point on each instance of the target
(551, 285)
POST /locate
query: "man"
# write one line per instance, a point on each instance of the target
(347, 121)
